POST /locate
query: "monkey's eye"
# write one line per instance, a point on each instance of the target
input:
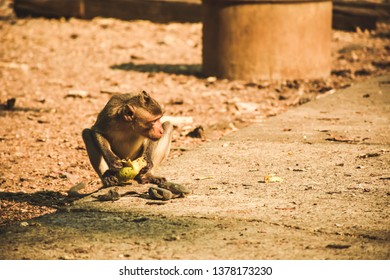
(154, 121)
(147, 124)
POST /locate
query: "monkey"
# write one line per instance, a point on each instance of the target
(128, 127)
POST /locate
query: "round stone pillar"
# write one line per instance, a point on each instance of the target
(262, 40)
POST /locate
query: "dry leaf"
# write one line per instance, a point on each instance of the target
(272, 179)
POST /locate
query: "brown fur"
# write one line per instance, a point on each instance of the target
(128, 127)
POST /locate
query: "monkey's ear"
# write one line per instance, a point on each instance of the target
(129, 113)
(144, 97)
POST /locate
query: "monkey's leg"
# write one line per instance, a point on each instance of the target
(155, 153)
(96, 158)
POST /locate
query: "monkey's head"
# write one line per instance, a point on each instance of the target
(144, 114)
(137, 112)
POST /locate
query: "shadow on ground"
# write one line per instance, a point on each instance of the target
(178, 69)
(41, 198)
(101, 235)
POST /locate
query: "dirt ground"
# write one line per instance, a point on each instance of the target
(61, 73)
(333, 203)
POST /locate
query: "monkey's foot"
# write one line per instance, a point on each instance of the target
(176, 189)
(159, 193)
(157, 180)
(109, 179)
(145, 179)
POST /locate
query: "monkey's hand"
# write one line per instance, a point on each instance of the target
(157, 180)
(141, 177)
(146, 177)
(109, 179)
(150, 179)
(145, 169)
(115, 165)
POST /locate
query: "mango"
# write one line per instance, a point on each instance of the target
(130, 169)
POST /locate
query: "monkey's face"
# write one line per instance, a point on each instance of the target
(148, 125)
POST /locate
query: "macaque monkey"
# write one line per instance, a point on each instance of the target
(128, 127)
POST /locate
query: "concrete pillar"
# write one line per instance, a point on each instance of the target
(261, 40)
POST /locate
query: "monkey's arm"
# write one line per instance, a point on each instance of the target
(113, 161)
(103, 160)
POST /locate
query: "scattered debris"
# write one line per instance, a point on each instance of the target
(333, 192)
(368, 155)
(197, 132)
(340, 139)
(77, 93)
(111, 91)
(74, 191)
(14, 65)
(141, 220)
(338, 246)
(363, 72)
(9, 105)
(342, 72)
(204, 178)
(155, 202)
(172, 238)
(246, 106)
(111, 195)
(328, 119)
(285, 208)
(296, 169)
(177, 189)
(178, 121)
(176, 101)
(160, 193)
(272, 178)
(167, 191)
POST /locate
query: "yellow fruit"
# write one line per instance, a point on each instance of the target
(127, 163)
(131, 169)
(126, 174)
(139, 163)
